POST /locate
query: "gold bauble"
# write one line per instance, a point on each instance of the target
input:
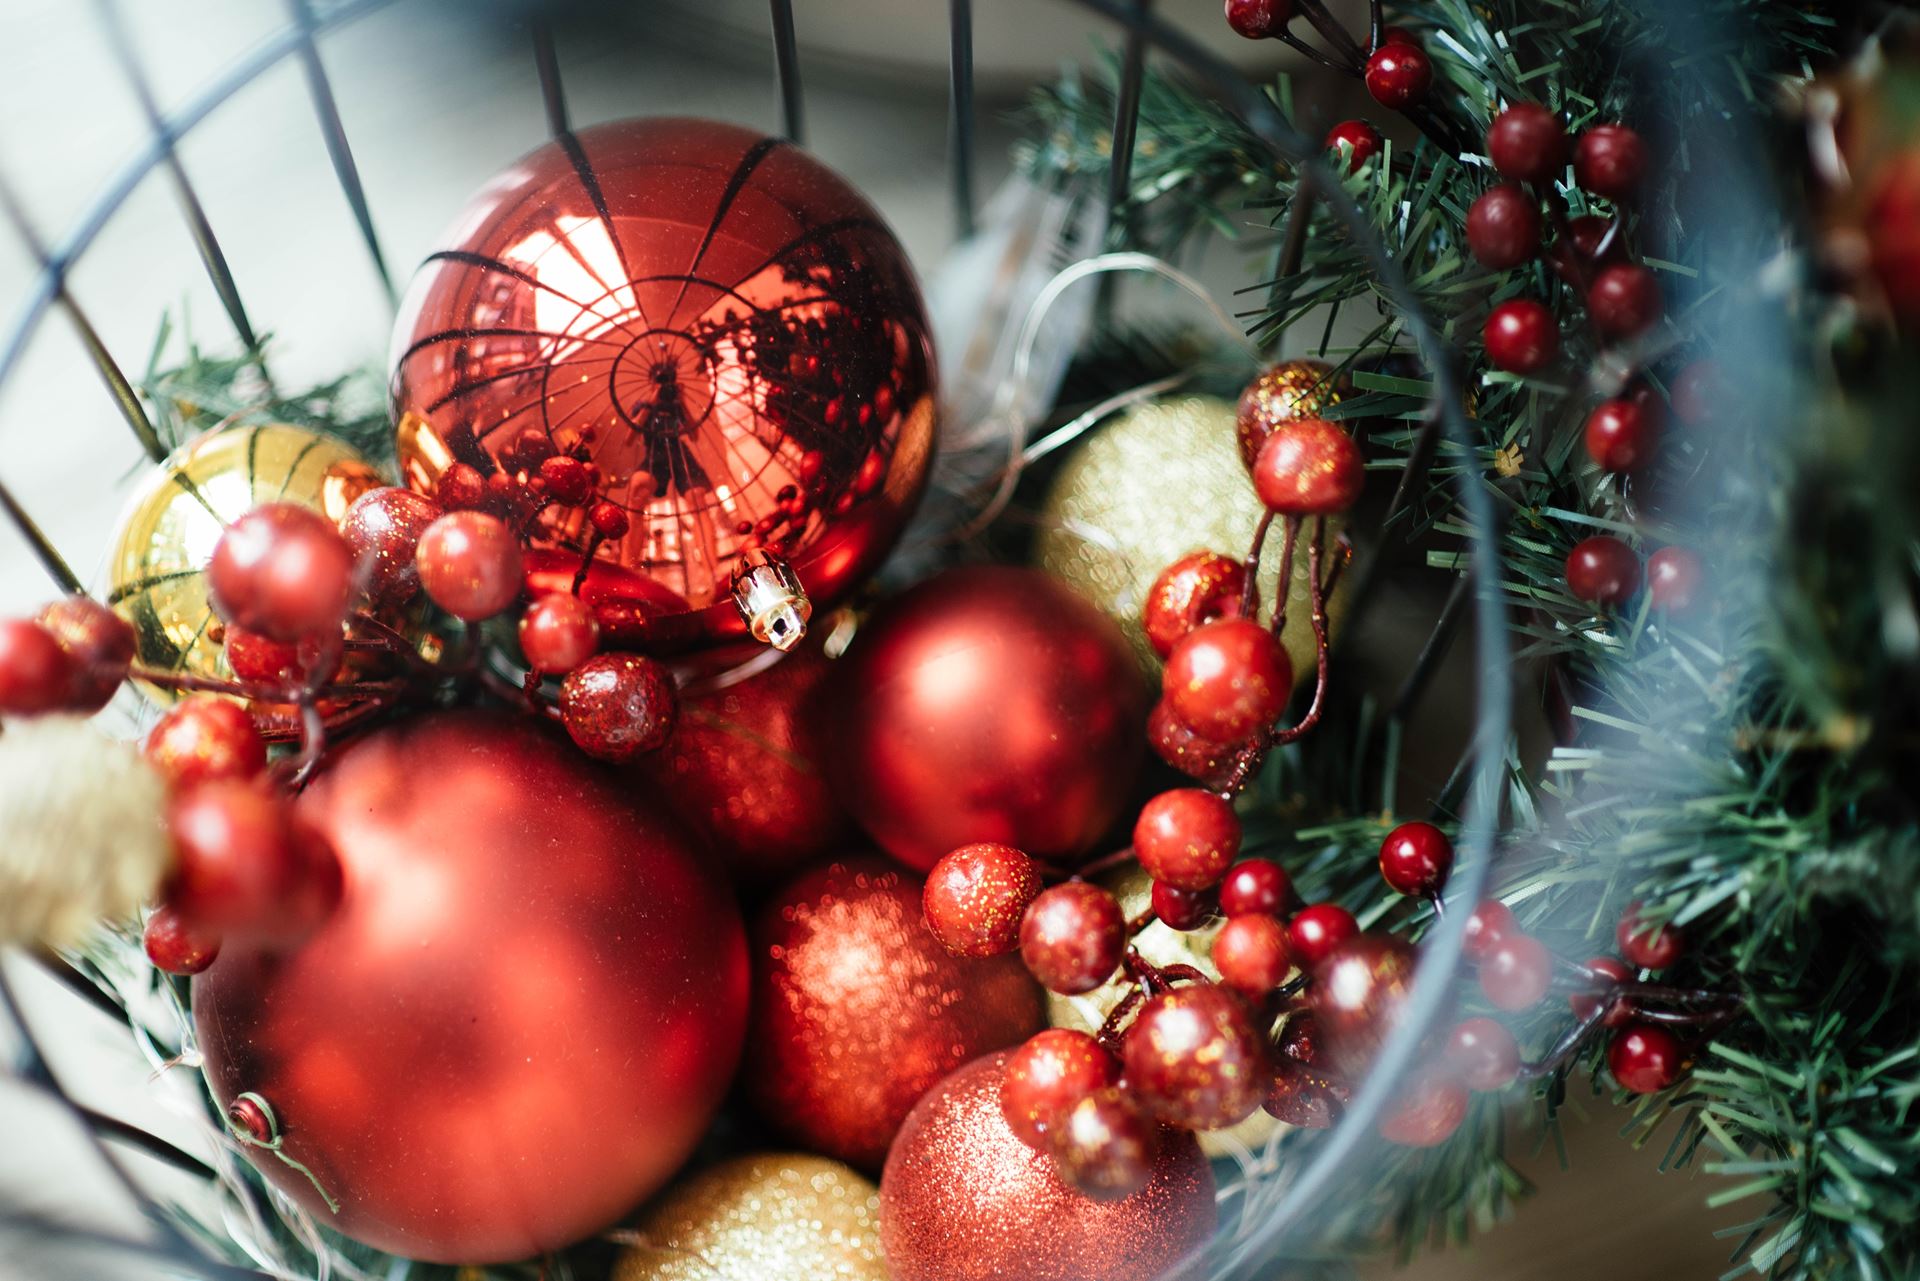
(1159, 481)
(775, 1217)
(1160, 945)
(156, 573)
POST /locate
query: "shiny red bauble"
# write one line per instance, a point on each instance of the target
(1357, 994)
(1255, 885)
(1484, 1054)
(1526, 142)
(557, 634)
(976, 897)
(1622, 434)
(963, 1199)
(1309, 467)
(1072, 937)
(1187, 838)
(987, 704)
(746, 767)
(1521, 336)
(1258, 19)
(1229, 680)
(1362, 140)
(1183, 910)
(1646, 1058)
(1602, 570)
(1047, 1075)
(1317, 931)
(281, 570)
(1675, 578)
(244, 868)
(1416, 859)
(1399, 75)
(1105, 1144)
(1624, 300)
(36, 674)
(1610, 161)
(1610, 973)
(716, 322)
(1251, 954)
(1503, 227)
(470, 564)
(99, 642)
(519, 1020)
(382, 529)
(619, 707)
(175, 946)
(1194, 1058)
(1198, 588)
(1198, 757)
(858, 1010)
(1517, 973)
(1650, 947)
(203, 737)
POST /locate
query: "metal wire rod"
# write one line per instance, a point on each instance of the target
(43, 549)
(786, 61)
(552, 95)
(335, 133)
(960, 112)
(1126, 109)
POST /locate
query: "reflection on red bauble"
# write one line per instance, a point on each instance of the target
(715, 321)
(963, 1199)
(746, 767)
(987, 704)
(858, 1009)
(520, 1018)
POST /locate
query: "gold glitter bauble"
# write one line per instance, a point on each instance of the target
(1159, 481)
(156, 572)
(1284, 393)
(762, 1218)
(1160, 945)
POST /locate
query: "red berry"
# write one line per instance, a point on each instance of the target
(1624, 300)
(1645, 1058)
(1697, 393)
(1521, 336)
(1256, 885)
(1362, 140)
(1649, 947)
(558, 633)
(176, 947)
(461, 487)
(1072, 937)
(608, 520)
(1193, 1058)
(1610, 161)
(1594, 238)
(243, 868)
(205, 737)
(1187, 837)
(1228, 680)
(1308, 468)
(975, 898)
(36, 674)
(1613, 973)
(566, 480)
(281, 570)
(1184, 910)
(1391, 34)
(1426, 1114)
(1045, 1077)
(1516, 974)
(1251, 954)
(1622, 434)
(382, 529)
(1105, 1146)
(1674, 578)
(1258, 19)
(470, 564)
(1527, 142)
(1317, 930)
(1603, 571)
(311, 661)
(1416, 858)
(1484, 1053)
(618, 707)
(1399, 75)
(1175, 743)
(1503, 227)
(1198, 588)
(99, 642)
(1491, 921)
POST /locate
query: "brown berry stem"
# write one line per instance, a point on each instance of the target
(1290, 538)
(1332, 32)
(1374, 24)
(1300, 46)
(313, 745)
(1250, 590)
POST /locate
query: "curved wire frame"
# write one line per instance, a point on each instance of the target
(1141, 31)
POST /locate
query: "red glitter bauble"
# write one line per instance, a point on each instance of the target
(987, 704)
(858, 1010)
(716, 322)
(963, 1199)
(746, 768)
(521, 1016)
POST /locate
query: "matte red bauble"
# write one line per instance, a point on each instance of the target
(746, 768)
(521, 1016)
(858, 1009)
(963, 1199)
(987, 704)
(716, 322)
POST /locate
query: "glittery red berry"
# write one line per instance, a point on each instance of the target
(618, 707)
(1610, 161)
(1490, 922)
(1622, 434)
(1526, 142)
(1503, 227)
(558, 632)
(1674, 579)
(99, 642)
(1105, 1146)
(1198, 588)
(461, 487)
(1416, 858)
(1649, 947)
(1602, 570)
(566, 480)
(1228, 680)
(312, 660)
(1072, 937)
(1047, 1075)
(1517, 972)
(1645, 1058)
(1317, 930)
(470, 564)
(976, 897)
(1521, 336)
(1484, 1054)
(1308, 467)
(1251, 954)
(608, 520)
(175, 947)
(1255, 885)
(205, 737)
(281, 570)
(1624, 300)
(1183, 910)
(1193, 1058)
(382, 529)
(1187, 838)
(36, 674)
(1399, 75)
(1175, 742)
(1362, 140)
(1426, 1112)
(1611, 972)
(1258, 19)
